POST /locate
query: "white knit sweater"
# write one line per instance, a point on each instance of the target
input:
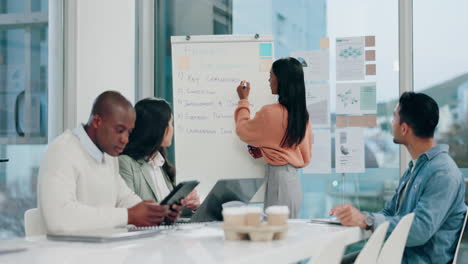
(77, 192)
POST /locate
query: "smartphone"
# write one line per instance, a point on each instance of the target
(179, 192)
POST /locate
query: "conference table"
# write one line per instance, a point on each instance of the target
(187, 243)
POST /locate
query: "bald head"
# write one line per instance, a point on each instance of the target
(111, 121)
(110, 103)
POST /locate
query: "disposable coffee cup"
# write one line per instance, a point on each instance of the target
(234, 217)
(254, 216)
(277, 215)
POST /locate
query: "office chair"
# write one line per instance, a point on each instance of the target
(33, 223)
(462, 231)
(332, 252)
(371, 250)
(392, 250)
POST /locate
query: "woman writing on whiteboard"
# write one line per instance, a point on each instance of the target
(143, 163)
(280, 133)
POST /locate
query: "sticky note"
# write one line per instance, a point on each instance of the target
(266, 50)
(324, 43)
(370, 69)
(265, 65)
(370, 41)
(183, 63)
(370, 55)
(356, 121)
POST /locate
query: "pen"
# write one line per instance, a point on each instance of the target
(244, 85)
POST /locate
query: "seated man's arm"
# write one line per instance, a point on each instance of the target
(436, 200)
(389, 209)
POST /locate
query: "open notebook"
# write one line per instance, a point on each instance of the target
(104, 235)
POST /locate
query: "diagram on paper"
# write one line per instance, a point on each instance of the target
(356, 98)
(346, 98)
(350, 59)
(350, 52)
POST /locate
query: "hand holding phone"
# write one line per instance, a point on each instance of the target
(147, 213)
(173, 213)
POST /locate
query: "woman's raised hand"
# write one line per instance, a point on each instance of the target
(243, 89)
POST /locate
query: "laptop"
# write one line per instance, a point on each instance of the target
(104, 235)
(224, 191)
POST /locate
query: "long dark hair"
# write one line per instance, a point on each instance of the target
(152, 118)
(291, 92)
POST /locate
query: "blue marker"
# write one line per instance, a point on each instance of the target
(249, 147)
(245, 85)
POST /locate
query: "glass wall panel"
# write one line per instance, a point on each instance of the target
(441, 69)
(23, 107)
(298, 26)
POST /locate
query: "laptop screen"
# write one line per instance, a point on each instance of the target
(224, 191)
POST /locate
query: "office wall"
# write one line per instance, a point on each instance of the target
(99, 54)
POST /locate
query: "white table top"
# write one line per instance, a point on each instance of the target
(192, 243)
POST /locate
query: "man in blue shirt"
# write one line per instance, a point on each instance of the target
(432, 187)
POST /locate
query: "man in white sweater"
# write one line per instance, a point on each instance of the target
(79, 184)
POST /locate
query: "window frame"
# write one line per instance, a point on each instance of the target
(406, 76)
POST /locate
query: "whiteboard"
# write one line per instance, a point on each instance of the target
(206, 71)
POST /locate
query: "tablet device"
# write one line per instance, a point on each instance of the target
(103, 235)
(180, 191)
(330, 221)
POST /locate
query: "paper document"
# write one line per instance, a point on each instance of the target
(321, 162)
(315, 64)
(349, 150)
(318, 104)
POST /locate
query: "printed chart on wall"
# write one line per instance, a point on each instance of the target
(206, 71)
(356, 102)
(349, 150)
(356, 98)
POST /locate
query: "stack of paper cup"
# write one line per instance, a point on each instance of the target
(277, 215)
(234, 216)
(254, 216)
